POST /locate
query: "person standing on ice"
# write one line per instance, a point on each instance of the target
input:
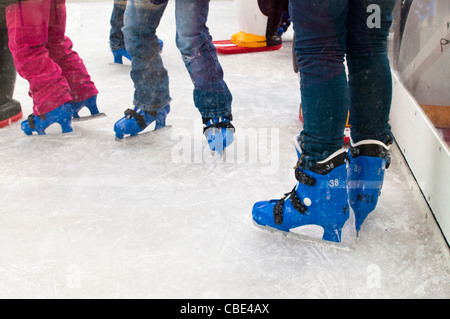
(326, 32)
(151, 98)
(116, 38)
(60, 85)
(10, 109)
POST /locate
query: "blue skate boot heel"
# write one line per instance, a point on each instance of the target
(119, 55)
(219, 132)
(91, 104)
(135, 121)
(62, 115)
(319, 198)
(368, 161)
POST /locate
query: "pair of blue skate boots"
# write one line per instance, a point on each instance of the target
(62, 115)
(219, 131)
(325, 193)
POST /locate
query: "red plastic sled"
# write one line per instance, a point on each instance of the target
(228, 47)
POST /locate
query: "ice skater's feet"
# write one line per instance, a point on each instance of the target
(39, 123)
(137, 120)
(319, 198)
(219, 132)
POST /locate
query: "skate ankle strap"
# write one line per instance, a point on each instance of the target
(209, 120)
(139, 118)
(295, 201)
(321, 168)
(223, 124)
(372, 150)
(32, 122)
(304, 178)
(325, 167)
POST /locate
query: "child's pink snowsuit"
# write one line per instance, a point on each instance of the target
(43, 55)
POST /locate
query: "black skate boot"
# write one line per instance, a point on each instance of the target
(10, 111)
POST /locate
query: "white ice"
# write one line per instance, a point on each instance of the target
(88, 217)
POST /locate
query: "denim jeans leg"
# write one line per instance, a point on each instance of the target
(370, 78)
(149, 76)
(116, 40)
(211, 94)
(320, 29)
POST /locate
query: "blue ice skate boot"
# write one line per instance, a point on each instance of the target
(319, 198)
(285, 23)
(135, 121)
(219, 132)
(91, 104)
(39, 123)
(368, 161)
(120, 54)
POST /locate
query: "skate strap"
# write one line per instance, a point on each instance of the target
(139, 118)
(209, 120)
(304, 178)
(226, 125)
(295, 201)
(372, 150)
(31, 121)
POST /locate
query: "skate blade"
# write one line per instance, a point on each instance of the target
(88, 118)
(308, 240)
(55, 136)
(143, 135)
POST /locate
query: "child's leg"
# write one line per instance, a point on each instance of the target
(60, 50)
(27, 23)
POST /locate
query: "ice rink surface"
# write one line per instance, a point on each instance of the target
(158, 217)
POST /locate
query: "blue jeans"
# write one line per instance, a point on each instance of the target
(211, 94)
(116, 40)
(326, 32)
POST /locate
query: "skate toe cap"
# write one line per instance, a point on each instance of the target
(263, 213)
(25, 126)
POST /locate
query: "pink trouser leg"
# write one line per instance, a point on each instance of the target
(60, 51)
(44, 56)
